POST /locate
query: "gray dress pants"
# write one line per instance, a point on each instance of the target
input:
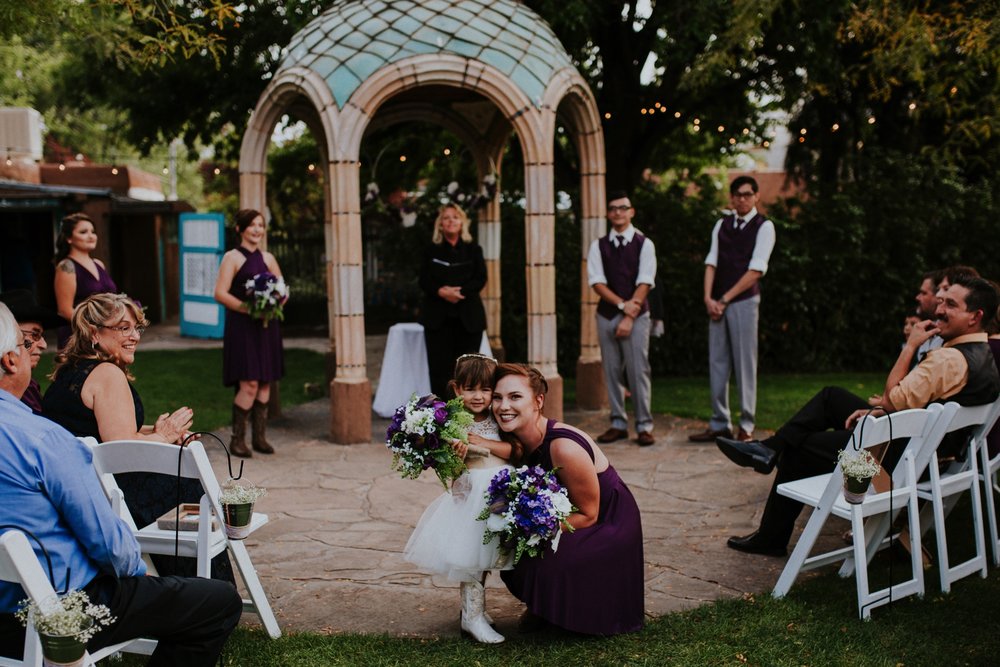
(732, 348)
(626, 360)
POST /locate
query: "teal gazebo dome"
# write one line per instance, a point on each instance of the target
(352, 40)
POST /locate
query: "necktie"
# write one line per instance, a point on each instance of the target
(737, 222)
(619, 241)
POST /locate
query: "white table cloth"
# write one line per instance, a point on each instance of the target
(404, 367)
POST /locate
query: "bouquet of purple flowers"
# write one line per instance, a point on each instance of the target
(421, 434)
(266, 294)
(527, 510)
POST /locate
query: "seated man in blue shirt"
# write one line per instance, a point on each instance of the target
(48, 488)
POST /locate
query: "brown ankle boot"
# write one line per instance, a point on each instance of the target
(238, 443)
(259, 419)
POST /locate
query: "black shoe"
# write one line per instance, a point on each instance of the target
(753, 454)
(755, 544)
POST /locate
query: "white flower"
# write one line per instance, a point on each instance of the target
(461, 197)
(452, 188)
(409, 219)
(372, 188)
(561, 503)
(490, 179)
(555, 541)
(496, 523)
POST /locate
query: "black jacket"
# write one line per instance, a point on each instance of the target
(461, 265)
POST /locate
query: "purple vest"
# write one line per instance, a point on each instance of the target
(621, 268)
(735, 251)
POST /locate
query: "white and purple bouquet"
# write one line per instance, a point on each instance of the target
(266, 294)
(421, 434)
(527, 510)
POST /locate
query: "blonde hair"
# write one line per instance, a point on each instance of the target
(93, 313)
(466, 235)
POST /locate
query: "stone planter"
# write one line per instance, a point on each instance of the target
(855, 489)
(237, 518)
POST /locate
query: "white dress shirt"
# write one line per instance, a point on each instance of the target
(647, 260)
(761, 250)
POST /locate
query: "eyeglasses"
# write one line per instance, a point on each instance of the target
(743, 194)
(126, 330)
(26, 343)
(618, 209)
(35, 336)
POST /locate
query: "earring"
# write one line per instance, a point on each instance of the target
(94, 343)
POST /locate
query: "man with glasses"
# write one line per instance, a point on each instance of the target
(742, 241)
(621, 268)
(33, 320)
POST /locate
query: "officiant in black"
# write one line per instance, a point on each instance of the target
(451, 276)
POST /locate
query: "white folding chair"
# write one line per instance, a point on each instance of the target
(19, 565)
(120, 456)
(943, 488)
(825, 494)
(988, 468)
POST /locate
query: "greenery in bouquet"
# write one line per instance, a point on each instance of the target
(77, 617)
(238, 494)
(421, 434)
(527, 510)
(266, 296)
(858, 465)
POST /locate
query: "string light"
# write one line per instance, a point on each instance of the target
(312, 167)
(803, 131)
(721, 128)
(954, 89)
(218, 171)
(913, 105)
(732, 141)
(696, 121)
(402, 158)
(166, 170)
(607, 115)
(802, 140)
(447, 151)
(658, 105)
(677, 114)
(836, 126)
(871, 120)
(746, 131)
(9, 162)
(62, 167)
(767, 144)
(114, 171)
(643, 112)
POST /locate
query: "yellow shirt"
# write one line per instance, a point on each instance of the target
(942, 373)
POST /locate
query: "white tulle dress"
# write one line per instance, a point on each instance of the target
(448, 539)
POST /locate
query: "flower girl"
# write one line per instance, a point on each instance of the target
(448, 539)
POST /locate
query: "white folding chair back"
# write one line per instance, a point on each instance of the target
(120, 456)
(825, 494)
(19, 565)
(943, 489)
(988, 474)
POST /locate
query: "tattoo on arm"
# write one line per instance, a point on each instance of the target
(66, 266)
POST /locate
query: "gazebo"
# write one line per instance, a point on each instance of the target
(481, 69)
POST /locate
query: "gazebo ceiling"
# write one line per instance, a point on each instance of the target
(352, 40)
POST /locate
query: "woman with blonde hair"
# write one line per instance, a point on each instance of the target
(451, 277)
(92, 395)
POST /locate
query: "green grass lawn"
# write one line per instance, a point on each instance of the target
(778, 396)
(168, 379)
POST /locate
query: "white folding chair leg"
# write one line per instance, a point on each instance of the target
(258, 600)
(989, 488)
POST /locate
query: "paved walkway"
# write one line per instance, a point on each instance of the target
(330, 557)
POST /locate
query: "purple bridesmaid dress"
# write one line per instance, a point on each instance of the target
(250, 351)
(594, 583)
(86, 285)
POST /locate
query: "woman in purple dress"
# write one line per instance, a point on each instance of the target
(252, 355)
(78, 275)
(593, 583)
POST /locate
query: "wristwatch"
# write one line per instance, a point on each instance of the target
(724, 301)
(621, 306)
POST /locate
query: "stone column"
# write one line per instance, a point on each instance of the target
(539, 239)
(350, 390)
(591, 394)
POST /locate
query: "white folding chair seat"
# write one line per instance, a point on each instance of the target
(120, 456)
(20, 565)
(824, 493)
(943, 488)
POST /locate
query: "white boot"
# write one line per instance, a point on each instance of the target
(473, 620)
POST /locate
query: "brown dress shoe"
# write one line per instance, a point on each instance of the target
(645, 439)
(708, 435)
(612, 434)
(743, 436)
